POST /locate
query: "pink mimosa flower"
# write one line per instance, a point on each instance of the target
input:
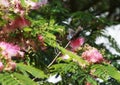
(76, 43)
(1, 66)
(92, 56)
(4, 3)
(19, 22)
(10, 66)
(18, 7)
(35, 5)
(21, 53)
(9, 50)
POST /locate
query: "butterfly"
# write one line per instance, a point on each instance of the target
(74, 34)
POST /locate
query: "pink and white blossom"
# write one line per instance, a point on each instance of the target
(18, 22)
(10, 66)
(92, 56)
(76, 43)
(9, 50)
(35, 5)
(4, 3)
(18, 7)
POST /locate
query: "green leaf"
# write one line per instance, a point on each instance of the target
(35, 0)
(23, 79)
(104, 71)
(15, 79)
(91, 80)
(75, 57)
(23, 3)
(100, 71)
(32, 70)
(62, 67)
(27, 29)
(113, 72)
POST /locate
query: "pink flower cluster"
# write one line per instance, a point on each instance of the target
(35, 5)
(19, 22)
(17, 5)
(92, 56)
(10, 66)
(76, 43)
(8, 51)
(19, 9)
(29, 5)
(4, 3)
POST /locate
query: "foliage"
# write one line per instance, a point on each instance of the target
(106, 71)
(72, 71)
(15, 79)
(37, 37)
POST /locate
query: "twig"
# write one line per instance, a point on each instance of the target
(57, 55)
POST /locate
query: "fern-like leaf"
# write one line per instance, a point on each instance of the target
(104, 71)
(33, 71)
(91, 80)
(15, 79)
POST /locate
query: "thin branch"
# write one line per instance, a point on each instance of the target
(58, 55)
